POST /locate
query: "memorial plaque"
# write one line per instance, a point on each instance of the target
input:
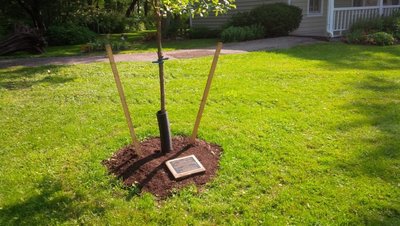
(185, 166)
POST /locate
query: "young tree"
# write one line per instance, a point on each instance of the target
(191, 7)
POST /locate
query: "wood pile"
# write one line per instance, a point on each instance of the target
(23, 39)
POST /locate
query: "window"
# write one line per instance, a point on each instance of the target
(314, 7)
(360, 3)
(371, 2)
(390, 2)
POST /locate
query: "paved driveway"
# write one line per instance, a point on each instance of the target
(230, 48)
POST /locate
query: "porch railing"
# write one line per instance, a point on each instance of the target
(343, 18)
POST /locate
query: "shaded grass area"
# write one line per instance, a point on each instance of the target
(310, 136)
(134, 40)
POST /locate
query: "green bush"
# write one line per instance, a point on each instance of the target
(357, 37)
(202, 32)
(241, 19)
(376, 31)
(368, 26)
(236, 34)
(381, 38)
(112, 22)
(102, 21)
(277, 19)
(392, 25)
(68, 34)
(99, 45)
(176, 26)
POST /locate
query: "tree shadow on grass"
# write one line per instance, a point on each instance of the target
(49, 206)
(339, 56)
(380, 104)
(377, 132)
(26, 77)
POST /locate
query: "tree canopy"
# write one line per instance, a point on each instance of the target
(197, 7)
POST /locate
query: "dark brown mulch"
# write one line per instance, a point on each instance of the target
(149, 171)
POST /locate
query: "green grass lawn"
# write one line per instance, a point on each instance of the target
(310, 136)
(134, 40)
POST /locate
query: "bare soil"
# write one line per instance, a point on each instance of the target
(149, 172)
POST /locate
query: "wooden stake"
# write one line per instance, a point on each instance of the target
(206, 91)
(123, 100)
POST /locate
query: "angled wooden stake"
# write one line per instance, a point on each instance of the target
(123, 100)
(206, 91)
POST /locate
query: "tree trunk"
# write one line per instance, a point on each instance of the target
(160, 57)
(131, 8)
(146, 7)
(35, 14)
(38, 15)
(162, 117)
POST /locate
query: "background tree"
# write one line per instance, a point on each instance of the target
(98, 15)
(131, 7)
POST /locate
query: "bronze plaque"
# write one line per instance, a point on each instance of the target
(185, 166)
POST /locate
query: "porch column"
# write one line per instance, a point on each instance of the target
(380, 2)
(331, 18)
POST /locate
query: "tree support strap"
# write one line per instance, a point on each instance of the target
(160, 60)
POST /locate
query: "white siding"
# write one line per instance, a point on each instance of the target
(311, 25)
(343, 3)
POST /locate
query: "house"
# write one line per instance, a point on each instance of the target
(324, 18)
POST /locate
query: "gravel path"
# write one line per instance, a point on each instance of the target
(230, 48)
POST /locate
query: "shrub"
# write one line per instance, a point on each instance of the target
(202, 32)
(68, 34)
(232, 34)
(357, 37)
(381, 38)
(99, 45)
(396, 35)
(101, 20)
(241, 20)
(392, 25)
(376, 31)
(176, 26)
(112, 22)
(368, 26)
(150, 36)
(277, 19)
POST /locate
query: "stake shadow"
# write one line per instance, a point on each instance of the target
(162, 166)
(133, 167)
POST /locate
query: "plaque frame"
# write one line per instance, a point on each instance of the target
(177, 175)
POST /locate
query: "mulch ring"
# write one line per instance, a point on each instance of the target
(149, 172)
